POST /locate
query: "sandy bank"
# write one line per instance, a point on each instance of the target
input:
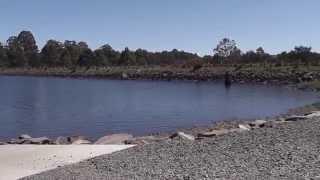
(17, 161)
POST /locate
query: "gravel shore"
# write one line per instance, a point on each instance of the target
(286, 151)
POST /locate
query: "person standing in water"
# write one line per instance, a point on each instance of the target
(227, 79)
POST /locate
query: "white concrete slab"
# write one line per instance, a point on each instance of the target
(17, 161)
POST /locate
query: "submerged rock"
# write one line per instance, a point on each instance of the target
(114, 139)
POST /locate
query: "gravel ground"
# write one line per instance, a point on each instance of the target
(287, 151)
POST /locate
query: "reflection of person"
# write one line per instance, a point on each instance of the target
(227, 79)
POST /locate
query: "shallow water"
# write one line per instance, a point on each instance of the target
(46, 106)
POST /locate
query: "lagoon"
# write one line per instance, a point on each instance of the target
(48, 106)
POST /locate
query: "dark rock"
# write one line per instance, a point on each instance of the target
(258, 123)
(296, 118)
(114, 139)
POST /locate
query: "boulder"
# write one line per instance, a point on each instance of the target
(40, 140)
(17, 141)
(313, 114)
(213, 133)
(124, 76)
(308, 77)
(245, 127)
(279, 121)
(72, 139)
(81, 141)
(183, 136)
(258, 123)
(24, 136)
(114, 139)
(2, 143)
(61, 140)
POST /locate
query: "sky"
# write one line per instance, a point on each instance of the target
(191, 25)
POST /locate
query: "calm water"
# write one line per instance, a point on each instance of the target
(56, 106)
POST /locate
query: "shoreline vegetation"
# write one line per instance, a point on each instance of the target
(305, 78)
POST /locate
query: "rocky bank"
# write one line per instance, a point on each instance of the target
(281, 149)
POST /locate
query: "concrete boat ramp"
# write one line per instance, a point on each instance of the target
(17, 161)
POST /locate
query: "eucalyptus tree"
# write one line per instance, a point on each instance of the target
(106, 55)
(15, 52)
(127, 57)
(51, 53)
(30, 49)
(226, 49)
(3, 56)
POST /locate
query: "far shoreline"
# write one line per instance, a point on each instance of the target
(289, 76)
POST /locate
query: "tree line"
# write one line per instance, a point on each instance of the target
(22, 51)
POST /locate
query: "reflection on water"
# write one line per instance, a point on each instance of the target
(55, 106)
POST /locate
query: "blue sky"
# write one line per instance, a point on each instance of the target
(191, 25)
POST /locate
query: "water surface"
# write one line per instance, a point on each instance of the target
(45, 106)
